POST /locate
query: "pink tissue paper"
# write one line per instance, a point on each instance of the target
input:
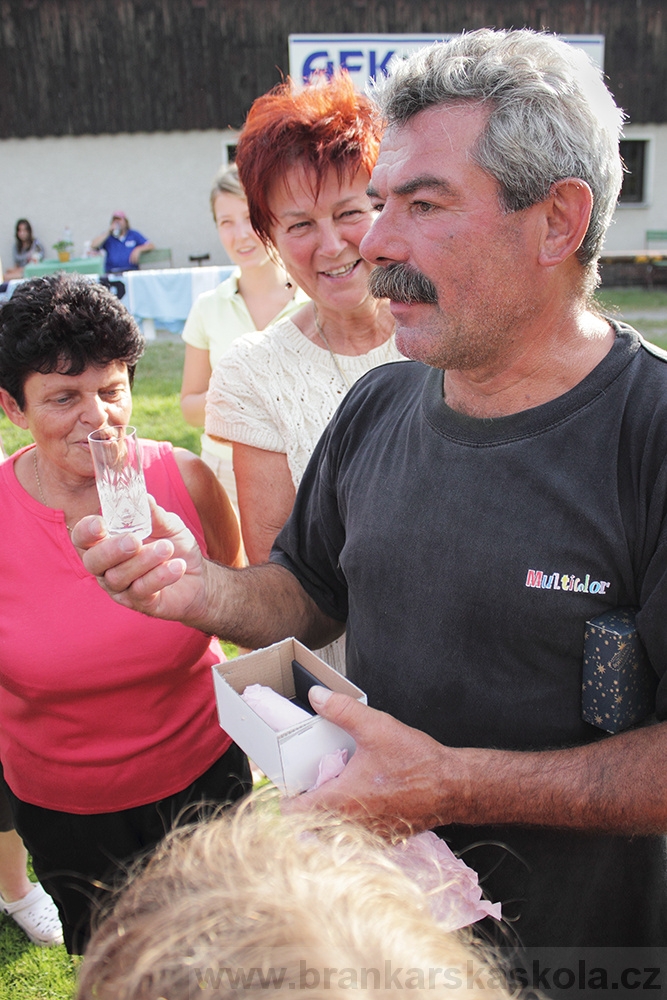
(278, 712)
(452, 887)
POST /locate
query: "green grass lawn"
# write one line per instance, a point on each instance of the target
(634, 299)
(642, 307)
(31, 973)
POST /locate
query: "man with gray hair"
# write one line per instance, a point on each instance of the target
(466, 513)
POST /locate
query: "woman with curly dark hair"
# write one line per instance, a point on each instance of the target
(108, 727)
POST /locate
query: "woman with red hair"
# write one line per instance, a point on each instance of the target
(304, 159)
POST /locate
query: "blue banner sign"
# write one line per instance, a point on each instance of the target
(365, 57)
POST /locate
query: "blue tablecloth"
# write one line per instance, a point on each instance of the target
(7, 289)
(166, 295)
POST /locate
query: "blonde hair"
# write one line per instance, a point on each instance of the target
(253, 903)
(226, 181)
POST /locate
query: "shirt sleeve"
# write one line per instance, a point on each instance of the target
(238, 406)
(194, 331)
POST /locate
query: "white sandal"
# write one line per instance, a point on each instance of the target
(37, 915)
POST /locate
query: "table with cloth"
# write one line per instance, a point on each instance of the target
(162, 299)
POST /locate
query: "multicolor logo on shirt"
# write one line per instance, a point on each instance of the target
(565, 581)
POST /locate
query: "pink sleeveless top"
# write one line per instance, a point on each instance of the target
(101, 708)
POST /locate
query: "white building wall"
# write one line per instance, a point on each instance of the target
(628, 231)
(160, 180)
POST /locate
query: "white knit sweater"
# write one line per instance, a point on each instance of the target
(277, 390)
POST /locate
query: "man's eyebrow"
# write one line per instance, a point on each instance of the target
(421, 183)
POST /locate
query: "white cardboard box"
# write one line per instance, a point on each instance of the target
(289, 758)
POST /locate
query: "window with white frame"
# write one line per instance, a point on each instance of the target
(229, 143)
(634, 153)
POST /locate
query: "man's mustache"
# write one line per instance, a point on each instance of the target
(401, 283)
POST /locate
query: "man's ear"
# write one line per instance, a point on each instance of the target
(567, 212)
(12, 409)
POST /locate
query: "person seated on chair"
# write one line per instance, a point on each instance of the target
(122, 245)
(27, 250)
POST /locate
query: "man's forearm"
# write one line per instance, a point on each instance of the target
(167, 577)
(616, 785)
(259, 605)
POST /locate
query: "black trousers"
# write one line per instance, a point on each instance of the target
(6, 817)
(82, 860)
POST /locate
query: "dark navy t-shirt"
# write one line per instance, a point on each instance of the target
(426, 531)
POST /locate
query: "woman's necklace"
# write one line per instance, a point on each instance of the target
(341, 372)
(39, 486)
(320, 331)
